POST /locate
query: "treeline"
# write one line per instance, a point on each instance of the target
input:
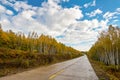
(33, 43)
(17, 50)
(107, 47)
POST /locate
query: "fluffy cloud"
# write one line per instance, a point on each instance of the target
(109, 15)
(94, 13)
(112, 15)
(51, 16)
(52, 19)
(90, 4)
(56, 18)
(118, 9)
(83, 33)
(3, 10)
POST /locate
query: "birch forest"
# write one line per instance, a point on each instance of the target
(18, 50)
(107, 47)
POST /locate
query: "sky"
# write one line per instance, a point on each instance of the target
(76, 23)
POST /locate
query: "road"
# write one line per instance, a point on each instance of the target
(75, 69)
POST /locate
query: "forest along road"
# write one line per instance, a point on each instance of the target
(75, 69)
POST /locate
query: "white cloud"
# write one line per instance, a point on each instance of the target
(52, 19)
(94, 3)
(83, 31)
(28, 14)
(51, 15)
(109, 15)
(3, 10)
(118, 9)
(84, 46)
(116, 20)
(94, 13)
(112, 15)
(56, 18)
(9, 12)
(18, 5)
(90, 4)
(66, 0)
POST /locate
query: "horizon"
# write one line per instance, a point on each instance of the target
(73, 23)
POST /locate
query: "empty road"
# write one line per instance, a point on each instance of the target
(75, 69)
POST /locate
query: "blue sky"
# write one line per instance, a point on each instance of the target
(75, 23)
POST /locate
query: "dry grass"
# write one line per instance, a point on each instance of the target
(105, 72)
(14, 61)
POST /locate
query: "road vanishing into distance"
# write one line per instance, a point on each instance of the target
(75, 69)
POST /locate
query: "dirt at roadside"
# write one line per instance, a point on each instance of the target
(100, 72)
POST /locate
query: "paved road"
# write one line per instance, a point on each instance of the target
(75, 69)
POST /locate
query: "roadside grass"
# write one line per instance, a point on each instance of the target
(105, 72)
(15, 61)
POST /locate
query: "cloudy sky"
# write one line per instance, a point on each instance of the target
(75, 23)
